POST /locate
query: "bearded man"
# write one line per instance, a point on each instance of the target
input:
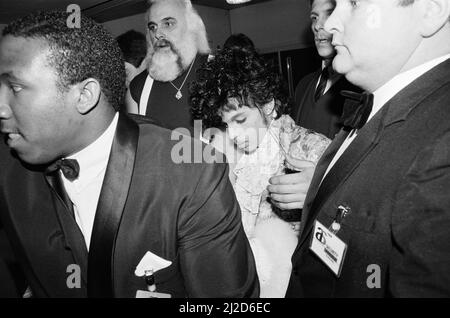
(177, 47)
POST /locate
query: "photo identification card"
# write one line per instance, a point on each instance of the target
(328, 247)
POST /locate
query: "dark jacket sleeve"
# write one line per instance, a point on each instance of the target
(420, 262)
(215, 255)
(12, 282)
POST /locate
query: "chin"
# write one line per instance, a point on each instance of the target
(33, 158)
(341, 64)
(326, 52)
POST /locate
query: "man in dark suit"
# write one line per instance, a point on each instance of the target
(318, 102)
(91, 201)
(178, 46)
(377, 214)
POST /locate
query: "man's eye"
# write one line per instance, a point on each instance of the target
(170, 24)
(241, 121)
(152, 27)
(354, 3)
(16, 88)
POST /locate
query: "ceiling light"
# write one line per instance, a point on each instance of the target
(237, 1)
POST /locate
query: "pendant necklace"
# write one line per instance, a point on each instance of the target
(178, 95)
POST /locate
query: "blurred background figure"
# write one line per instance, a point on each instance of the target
(237, 90)
(134, 49)
(239, 41)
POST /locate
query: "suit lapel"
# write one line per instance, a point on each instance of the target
(320, 170)
(110, 207)
(365, 141)
(74, 239)
(44, 234)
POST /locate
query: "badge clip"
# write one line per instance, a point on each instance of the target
(341, 213)
(150, 280)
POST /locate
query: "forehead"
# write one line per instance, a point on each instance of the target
(166, 9)
(229, 113)
(322, 6)
(19, 55)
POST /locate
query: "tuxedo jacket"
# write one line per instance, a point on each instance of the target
(324, 115)
(185, 213)
(395, 178)
(162, 106)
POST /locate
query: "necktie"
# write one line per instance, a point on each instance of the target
(357, 108)
(320, 89)
(70, 168)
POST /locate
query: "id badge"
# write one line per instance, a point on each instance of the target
(328, 247)
(149, 294)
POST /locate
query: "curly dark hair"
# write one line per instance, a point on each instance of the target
(241, 74)
(77, 53)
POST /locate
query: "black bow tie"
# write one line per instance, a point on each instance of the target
(357, 108)
(69, 167)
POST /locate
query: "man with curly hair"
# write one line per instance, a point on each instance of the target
(178, 45)
(91, 203)
(238, 90)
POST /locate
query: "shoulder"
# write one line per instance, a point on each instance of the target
(137, 83)
(175, 150)
(307, 79)
(304, 144)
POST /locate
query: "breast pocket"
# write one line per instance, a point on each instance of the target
(354, 222)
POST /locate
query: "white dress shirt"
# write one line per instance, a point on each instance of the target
(383, 94)
(84, 191)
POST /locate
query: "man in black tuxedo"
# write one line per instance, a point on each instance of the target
(377, 213)
(318, 102)
(92, 201)
(177, 47)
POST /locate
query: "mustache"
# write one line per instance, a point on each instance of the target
(163, 43)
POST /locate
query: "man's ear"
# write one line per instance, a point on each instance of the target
(435, 14)
(89, 95)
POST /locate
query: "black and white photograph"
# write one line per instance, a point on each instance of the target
(255, 152)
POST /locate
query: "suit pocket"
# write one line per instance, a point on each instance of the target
(170, 280)
(168, 273)
(360, 223)
(353, 222)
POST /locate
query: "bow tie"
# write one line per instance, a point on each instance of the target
(69, 167)
(357, 108)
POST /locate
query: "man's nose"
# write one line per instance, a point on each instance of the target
(318, 25)
(233, 131)
(332, 24)
(159, 34)
(5, 111)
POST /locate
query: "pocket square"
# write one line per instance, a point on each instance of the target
(151, 262)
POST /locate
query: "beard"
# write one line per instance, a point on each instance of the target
(168, 61)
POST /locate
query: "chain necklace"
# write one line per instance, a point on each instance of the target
(178, 95)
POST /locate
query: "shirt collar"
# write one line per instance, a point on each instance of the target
(383, 94)
(93, 159)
